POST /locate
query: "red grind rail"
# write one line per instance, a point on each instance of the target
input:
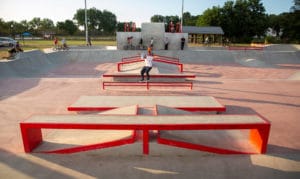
(148, 84)
(163, 60)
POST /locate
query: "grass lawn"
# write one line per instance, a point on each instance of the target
(42, 44)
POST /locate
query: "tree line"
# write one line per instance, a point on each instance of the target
(241, 21)
(99, 23)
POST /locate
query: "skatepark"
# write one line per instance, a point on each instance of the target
(246, 82)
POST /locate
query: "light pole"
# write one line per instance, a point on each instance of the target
(86, 25)
(181, 16)
(12, 31)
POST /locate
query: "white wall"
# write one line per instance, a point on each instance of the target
(155, 30)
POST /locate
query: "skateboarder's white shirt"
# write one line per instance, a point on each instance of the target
(148, 61)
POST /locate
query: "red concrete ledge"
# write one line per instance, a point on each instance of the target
(259, 128)
(186, 103)
(103, 145)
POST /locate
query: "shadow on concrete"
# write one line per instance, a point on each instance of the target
(253, 92)
(122, 163)
(280, 151)
(14, 166)
(203, 74)
(232, 109)
(75, 70)
(205, 82)
(12, 86)
(260, 101)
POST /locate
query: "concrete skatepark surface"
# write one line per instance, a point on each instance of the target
(246, 82)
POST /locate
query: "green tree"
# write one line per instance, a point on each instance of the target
(35, 25)
(290, 24)
(210, 17)
(4, 30)
(98, 21)
(93, 19)
(67, 27)
(120, 26)
(249, 19)
(189, 20)
(24, 25)
(274, 23)
(39, 26)
(296, 6)
(241, 20)
(157, 18)
(109, 22)
(227, 21)
(258, 23)
(46, 25)
(12, 28)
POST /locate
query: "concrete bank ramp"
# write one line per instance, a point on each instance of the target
(283, 47)
(28, 64)
(36, 63)
(252, 59)
(266, 59)
(201, 56)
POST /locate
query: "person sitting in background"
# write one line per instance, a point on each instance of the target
(64, 44)
(17, 48)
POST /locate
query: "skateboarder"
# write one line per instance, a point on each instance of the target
(148, 66)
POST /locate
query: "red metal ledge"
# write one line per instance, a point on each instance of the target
(186, 103)
(114, 143)
(152, 76)
(259, 128)
(157, 58)
(148, 84)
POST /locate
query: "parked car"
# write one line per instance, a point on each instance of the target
(7, 41)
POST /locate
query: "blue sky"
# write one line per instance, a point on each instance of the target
(126, 10)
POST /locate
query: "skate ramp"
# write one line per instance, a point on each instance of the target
(27, 64)
(283, 47)
(266, 59)
(252, 59)
(36, 63)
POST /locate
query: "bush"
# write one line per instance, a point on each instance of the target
(272, 40)
(258, 41)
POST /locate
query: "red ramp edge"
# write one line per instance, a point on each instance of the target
(114, 143)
